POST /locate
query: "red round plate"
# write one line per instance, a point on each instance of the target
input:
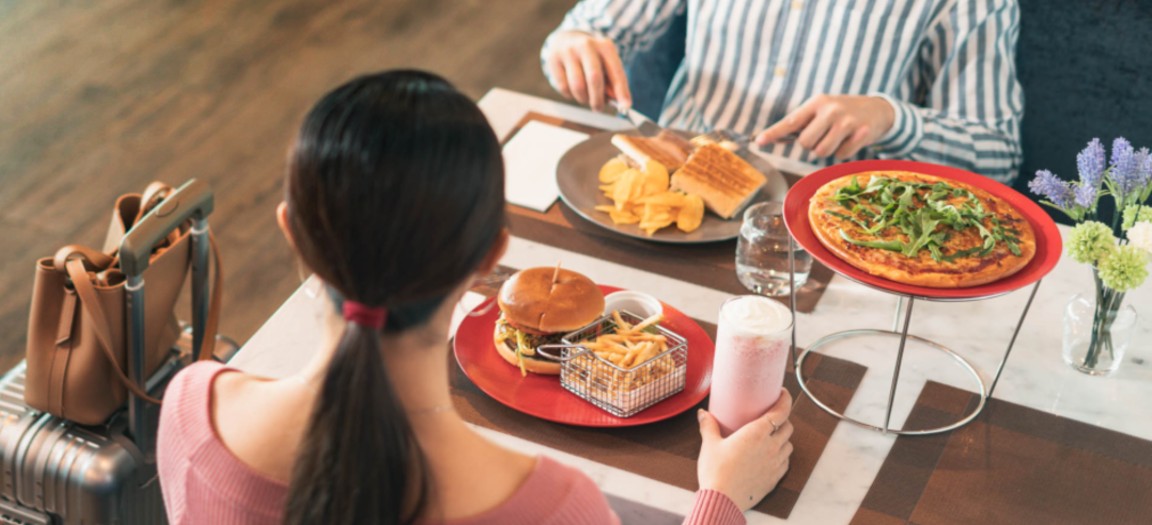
(1048, 242)
(543, 397)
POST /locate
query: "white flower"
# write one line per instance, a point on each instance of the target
(1140, 236)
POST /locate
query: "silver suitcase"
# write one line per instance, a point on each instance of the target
(56, 472)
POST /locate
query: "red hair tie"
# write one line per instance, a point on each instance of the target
(364, 315)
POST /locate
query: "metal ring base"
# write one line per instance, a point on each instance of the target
(863, 332)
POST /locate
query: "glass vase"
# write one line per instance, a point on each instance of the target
(1097, 331)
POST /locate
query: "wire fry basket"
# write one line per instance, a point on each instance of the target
(622, 392)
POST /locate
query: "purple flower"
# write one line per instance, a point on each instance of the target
(1090, 163)
(1124, 169)
(1085, 195)
(1121, 150)
(1050, 186)
(1143, 161)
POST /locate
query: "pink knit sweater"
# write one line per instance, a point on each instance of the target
(204, 483)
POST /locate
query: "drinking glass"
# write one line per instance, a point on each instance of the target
(762, 252)
(752, 343)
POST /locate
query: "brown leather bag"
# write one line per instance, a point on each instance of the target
(77, 351)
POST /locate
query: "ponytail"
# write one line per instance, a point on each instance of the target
(359, 459)
(395, 195)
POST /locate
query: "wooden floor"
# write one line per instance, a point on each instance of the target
(100, 98)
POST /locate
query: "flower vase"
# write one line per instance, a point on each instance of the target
(1097, 331)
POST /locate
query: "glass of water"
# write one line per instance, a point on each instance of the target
(762, 252)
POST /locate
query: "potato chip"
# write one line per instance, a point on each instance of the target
(653, 217)
(656, 178)
(612, 169)
(671, 199)
(625, 188)
(642, 197)
(691, 214)
(619, 216)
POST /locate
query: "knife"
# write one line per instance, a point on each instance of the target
(638, 119)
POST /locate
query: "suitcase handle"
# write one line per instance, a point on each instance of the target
(191, 200)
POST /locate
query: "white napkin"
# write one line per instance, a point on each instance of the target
(530, 160)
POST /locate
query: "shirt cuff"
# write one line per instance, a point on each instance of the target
(714, 508)
(906, 131)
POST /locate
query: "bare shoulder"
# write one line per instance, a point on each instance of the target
(260, 421)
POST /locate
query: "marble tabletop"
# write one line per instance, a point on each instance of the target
(1035, 375)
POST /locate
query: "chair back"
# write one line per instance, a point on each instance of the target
(1086, 70)
(650, 70)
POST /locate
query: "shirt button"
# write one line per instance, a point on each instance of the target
(780, 71)
(797, 4)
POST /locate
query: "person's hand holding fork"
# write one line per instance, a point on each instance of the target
(839, 125)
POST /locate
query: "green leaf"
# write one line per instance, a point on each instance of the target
(895, 246)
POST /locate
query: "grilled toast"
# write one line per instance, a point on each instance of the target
(725, 181)
(671, 153)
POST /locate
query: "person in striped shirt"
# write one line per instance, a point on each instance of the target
(817, 80)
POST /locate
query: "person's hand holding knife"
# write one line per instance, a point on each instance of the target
(587, 68)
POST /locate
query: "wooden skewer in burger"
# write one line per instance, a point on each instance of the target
(539, 306)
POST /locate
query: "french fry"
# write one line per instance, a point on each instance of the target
(630, 359)
(622, 326)
(614, 348)
(629, 346)
(623, 363)
(655, 318)
(648, 353)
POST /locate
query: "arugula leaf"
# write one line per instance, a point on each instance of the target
(849, 218)
(925, 213)
(895, 246)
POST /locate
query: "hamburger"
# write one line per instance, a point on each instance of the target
(539, 306)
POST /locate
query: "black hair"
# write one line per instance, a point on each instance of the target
(395, 195)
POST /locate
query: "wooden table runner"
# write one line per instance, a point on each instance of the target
(1012, 465)
(711, 264)
(666, 450)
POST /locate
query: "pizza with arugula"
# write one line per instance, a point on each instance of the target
(920, 229)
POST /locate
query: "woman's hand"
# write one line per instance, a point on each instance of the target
(746, 465)
(587, 68)
(839, 125)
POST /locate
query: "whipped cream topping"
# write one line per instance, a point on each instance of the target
(755, 314)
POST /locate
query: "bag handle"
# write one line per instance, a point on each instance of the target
(77, 261)
(153, 194)
(90, 302)
(93, 260)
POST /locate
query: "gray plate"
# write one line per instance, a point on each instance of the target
(577, 175)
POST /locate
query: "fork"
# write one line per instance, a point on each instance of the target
(740, 141)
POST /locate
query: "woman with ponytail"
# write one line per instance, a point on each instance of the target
(394, 198)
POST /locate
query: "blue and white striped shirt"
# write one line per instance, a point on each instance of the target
(946, 66)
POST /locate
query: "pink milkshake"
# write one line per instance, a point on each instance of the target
(752, 343)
